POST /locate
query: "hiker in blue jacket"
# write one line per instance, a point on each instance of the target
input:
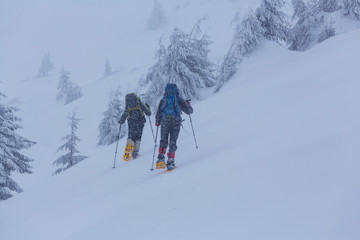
(168, 116)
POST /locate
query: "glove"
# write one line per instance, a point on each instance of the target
(188, 102)
(157, 124)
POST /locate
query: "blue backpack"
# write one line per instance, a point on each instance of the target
(170, 106)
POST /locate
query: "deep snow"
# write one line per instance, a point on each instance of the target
(278, 147)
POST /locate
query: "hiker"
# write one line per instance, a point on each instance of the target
(134, 113)
(168, 116)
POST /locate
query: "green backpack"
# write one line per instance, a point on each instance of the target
(132, 103)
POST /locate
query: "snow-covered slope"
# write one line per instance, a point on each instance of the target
(278, 157)
(81, 36)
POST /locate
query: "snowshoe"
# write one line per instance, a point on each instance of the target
(160, 164)
(128, 152)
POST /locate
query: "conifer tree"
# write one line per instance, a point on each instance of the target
(328, 31)
(228, 67)
(303, 33)
(314, 26)
(328, 5)
(67, 90)
(155, 81)
(300, 9)
(185, 63)
(268, 22)
(11, 143)
(248, 35)
(46, 66)
(72, 156)
(107, 70)
(157, 18)
(351, 8)
(273, 20)
(109, 125)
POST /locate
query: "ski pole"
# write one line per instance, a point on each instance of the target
(117, 144)
(197, 148)
(152, 131)
(152, 166)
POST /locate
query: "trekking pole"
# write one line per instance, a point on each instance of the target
(152, 166)
(152, 131)
(197, 148)
(117, 144)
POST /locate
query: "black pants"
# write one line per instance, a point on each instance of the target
(135, 130)
(169, 129)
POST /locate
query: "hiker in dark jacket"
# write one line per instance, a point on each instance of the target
(135, 111)
(168, 116)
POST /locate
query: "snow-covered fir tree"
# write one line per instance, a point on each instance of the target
(273, 20)
(11, 143)
(157, 18)
(300, 9)
(72, 156)
(306, 31)
(329, 5)
(328, 31)
(155, 81)
(184, 62)
(351, 8)
(268, 22)
(248, 35)
(109, 125)
(46, 66)
(107, 70)
(67, 90)
(314, 26)
(228, 67)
